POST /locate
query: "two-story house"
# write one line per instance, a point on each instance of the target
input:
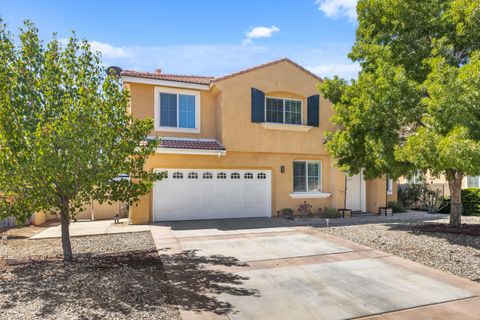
(243, 145)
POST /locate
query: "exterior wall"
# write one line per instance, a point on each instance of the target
(281, 80)
(376, 194)
(282, 183)
(142, 107)
(333, 180)
(225, 115)
(39, 218)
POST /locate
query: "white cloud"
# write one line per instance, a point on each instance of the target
(260, 32)
(109, 51)
(338, 8)
(343, 70)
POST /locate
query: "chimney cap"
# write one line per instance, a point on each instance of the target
(158, 71)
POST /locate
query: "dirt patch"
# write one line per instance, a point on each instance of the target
(467, 229)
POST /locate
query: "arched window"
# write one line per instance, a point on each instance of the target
(177, 175)
(261, 175)
(192, 175)
(207, 175)
(221, 175)
(248, 175)
(235, 175)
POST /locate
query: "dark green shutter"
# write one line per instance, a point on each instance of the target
(313, 110)
(258, 105)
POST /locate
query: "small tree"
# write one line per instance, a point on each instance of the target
(65, 134)
(416, 102)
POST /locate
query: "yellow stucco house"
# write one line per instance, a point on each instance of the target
(243, 145)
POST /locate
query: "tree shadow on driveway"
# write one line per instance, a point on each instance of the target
(122, 286)
(195, 279)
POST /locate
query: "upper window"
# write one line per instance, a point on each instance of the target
(307, 176)
(176, 111)
(221, 175)
(473, 181)
(280, 110)
(248, 175)
(235, 175)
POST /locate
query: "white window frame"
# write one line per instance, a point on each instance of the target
(470, 186)
(156, 113)
(283, 99)
(320, 172)
(389, 186)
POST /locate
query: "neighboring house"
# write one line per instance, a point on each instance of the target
(243, 145)
(440, 183)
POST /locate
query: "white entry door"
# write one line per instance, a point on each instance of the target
(189, 194)
(356, 193)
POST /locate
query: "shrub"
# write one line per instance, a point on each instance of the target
(305, 209)
(411, 195)
(329, 212)
(396, 207)
(471, 201)
(286, 212)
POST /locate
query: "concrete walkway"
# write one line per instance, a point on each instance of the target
(258, 269)
(90, 228)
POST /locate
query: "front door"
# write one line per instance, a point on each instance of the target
(356, 193)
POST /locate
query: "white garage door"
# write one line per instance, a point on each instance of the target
(188, 194)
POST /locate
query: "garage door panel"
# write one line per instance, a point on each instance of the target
(241, 193)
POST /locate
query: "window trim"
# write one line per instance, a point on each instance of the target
(156, 114)
(283, 99)
(307, 193)
(389, 186)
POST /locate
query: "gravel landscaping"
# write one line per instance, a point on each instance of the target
(115, 276)
(458, 254)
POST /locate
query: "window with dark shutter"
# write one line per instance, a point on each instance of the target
(258, 105)
(313, 110)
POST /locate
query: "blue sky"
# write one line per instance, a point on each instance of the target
(210, 37)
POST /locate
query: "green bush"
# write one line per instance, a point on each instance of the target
(396, 207)
(470, 202)
(329, 212)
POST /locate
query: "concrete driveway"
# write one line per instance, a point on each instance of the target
(91, 228)
(257, 270)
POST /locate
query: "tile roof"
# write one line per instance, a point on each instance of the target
(168, 77)
(208, 80)
(191, 144)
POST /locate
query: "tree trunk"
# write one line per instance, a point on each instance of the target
(66, 245)
(454, 178)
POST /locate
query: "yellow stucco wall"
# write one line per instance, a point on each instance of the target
(333, 181)
(377, 194)
(226, 116)
(142, 107)
(280, 80)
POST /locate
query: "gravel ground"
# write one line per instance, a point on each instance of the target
(454, 253)
(116, 276)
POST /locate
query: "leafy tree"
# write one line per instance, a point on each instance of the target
(416, 102)
(65, 133)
